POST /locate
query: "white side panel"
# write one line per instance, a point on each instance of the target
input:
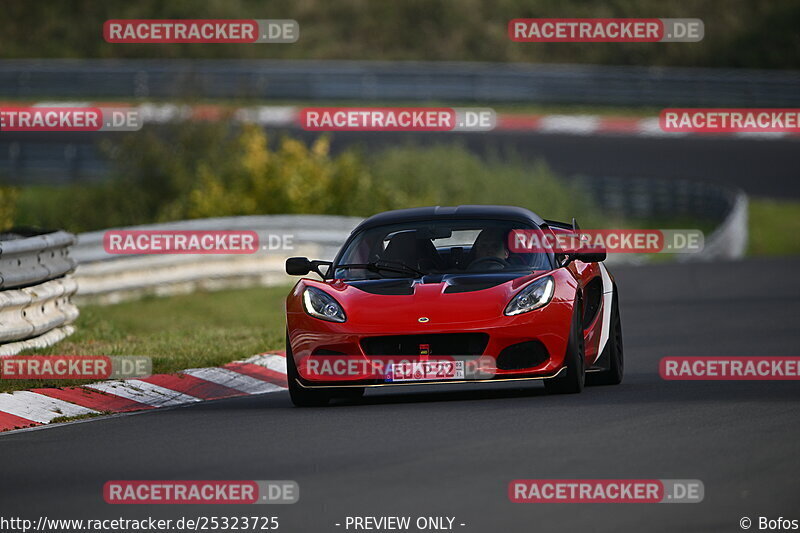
(608, 296)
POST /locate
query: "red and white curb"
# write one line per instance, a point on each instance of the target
(289, 117)
(259, 374)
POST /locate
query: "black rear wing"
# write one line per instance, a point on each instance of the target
(563, 225)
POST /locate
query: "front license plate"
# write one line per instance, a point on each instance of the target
(426, 371)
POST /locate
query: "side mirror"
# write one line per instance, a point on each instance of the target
(300, 266)
(593, 257)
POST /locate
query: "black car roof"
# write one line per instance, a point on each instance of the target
(415, 214)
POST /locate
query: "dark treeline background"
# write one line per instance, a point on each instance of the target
(738, 33)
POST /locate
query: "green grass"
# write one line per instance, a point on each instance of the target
(774, 227)
(60, 419)
(196, 330)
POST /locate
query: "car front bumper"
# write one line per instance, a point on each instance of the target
(548, 328)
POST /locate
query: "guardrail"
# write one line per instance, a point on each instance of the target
(35, 292)
(106, 278)
(372, 81)
(27, 258)
(729, 240)
(723, 207)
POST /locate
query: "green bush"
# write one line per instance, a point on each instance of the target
(449, 174)
(240, 174)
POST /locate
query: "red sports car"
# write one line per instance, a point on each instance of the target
(438, 295)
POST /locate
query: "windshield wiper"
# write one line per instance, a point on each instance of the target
(391, 266)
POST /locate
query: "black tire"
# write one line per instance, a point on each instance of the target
(573, 380)
(613, 352)
(302, 397)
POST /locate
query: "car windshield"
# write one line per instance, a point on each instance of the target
(435, 247)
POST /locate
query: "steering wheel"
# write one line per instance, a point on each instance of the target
(487, 261)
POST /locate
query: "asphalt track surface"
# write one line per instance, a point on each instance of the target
(760, 167)
(453, 452)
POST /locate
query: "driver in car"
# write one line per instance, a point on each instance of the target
(489, 250)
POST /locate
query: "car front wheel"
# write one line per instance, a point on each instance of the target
(572, 381)
(300, 396)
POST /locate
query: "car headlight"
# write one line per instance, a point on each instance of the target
(320, 304)
(536, 295)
